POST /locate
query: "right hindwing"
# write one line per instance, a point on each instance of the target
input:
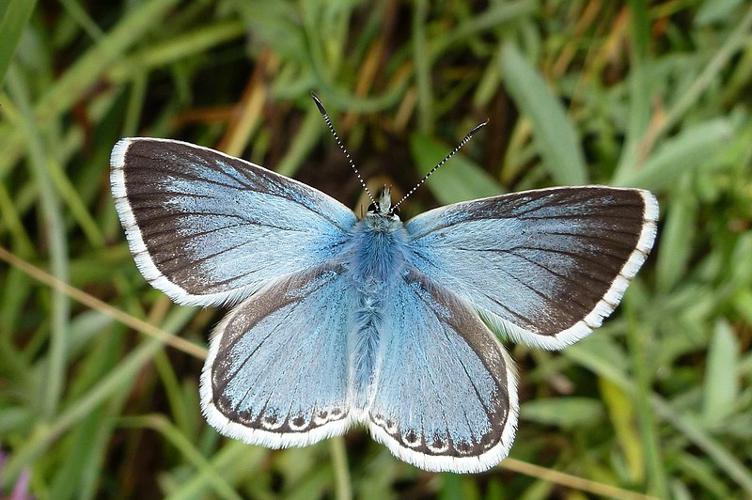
(444, 396)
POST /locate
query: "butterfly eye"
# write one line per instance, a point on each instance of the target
(373, 208)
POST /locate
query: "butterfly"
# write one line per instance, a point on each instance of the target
(339, 320)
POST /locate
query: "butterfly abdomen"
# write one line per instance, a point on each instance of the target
(365, 342)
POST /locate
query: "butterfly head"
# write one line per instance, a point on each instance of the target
(385, 201)
(380, 215)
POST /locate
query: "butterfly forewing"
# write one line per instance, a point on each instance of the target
(545, 267)
(207, 228)
(445, 396)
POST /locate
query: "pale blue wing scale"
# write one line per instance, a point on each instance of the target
(207, 228)
(544, 267)
(444, 396)
(277, 374)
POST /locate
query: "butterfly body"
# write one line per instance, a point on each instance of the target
(338, 321)
(375, 261)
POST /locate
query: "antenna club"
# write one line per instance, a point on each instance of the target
(319, 105)
(477, 128)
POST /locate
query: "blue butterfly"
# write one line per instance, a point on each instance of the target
(339, 321)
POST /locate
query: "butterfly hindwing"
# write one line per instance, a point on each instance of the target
(276, 374)
(546, 266)
(444, 396)
(207, 228)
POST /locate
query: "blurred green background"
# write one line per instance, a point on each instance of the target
(650, 94)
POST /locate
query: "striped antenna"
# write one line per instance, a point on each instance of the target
(342, 146)
(459, 146)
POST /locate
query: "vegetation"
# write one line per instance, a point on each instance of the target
(97, 400)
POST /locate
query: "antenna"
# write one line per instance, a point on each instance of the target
(459, 146)
(342, 146)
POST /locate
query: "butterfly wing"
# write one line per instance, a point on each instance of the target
(445, 396)
(544, 266)
(276, 374)
(207, 228)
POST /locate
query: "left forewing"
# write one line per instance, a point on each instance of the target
(206, 228)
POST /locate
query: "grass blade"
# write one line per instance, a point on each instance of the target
(341, 470)
(566, 412)
(681, 154)
(78, 79)
(581, 353)
(684, 103)
(459, 180)
(124, 373)
(637, 338)
(497, 14)
(721, 386)
(554, 134)
(639, 84)
(569, 481)
(621, 412)
(677, 237)
(55, 229)
(161, 425)
(235, 459)
(305, 140)
(14, 15)
(422, 67)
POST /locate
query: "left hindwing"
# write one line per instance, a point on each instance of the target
(276, 374)
(545, 267)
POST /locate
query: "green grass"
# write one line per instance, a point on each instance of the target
(98, 395)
